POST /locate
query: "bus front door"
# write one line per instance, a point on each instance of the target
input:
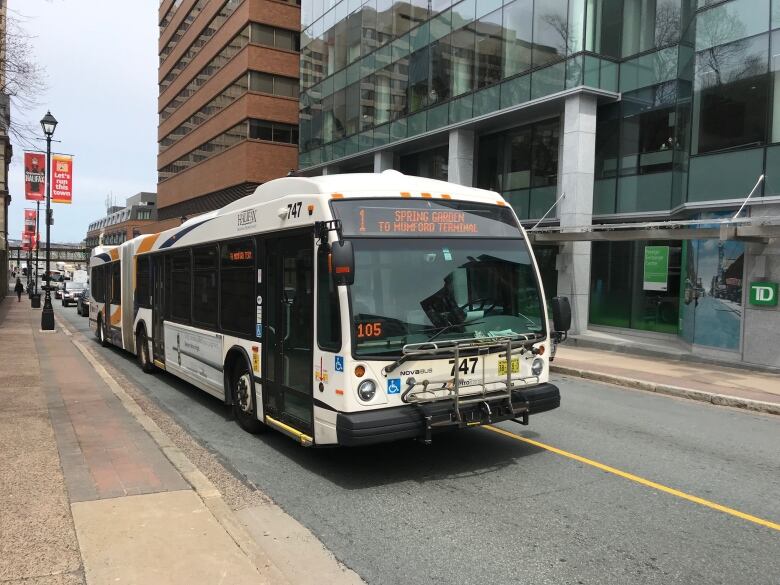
(289, 323)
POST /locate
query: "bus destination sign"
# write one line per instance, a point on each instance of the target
(414, 221)
(424, 218)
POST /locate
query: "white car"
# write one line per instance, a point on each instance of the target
(70, 294)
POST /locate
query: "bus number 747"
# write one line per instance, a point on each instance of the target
(464, 366)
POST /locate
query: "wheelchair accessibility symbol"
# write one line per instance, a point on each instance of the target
(394, 386)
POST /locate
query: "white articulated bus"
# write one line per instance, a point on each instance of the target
(342, 309)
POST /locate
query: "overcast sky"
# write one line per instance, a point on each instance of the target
(100, 58)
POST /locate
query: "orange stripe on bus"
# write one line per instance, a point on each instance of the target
(147, 243)
(116, 317)
(445, 196)
(426, 195)
(405, 194)
(337, 196)
(500, 203)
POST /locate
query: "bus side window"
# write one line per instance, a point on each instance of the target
(328, 314)
(143, 291)
(204, 290)
(116, 284)
(95, 283)
(237, 287)
(181, 272)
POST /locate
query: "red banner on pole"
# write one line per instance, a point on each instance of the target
(29, 241)
(29, 221)
(62, 179)
(34, 176)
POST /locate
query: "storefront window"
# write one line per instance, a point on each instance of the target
(711, 310)
(636, 285)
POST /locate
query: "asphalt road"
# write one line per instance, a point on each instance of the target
(479, 507)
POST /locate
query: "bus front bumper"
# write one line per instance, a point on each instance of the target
(409, 422)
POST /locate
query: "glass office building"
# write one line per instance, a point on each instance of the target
(637, 110)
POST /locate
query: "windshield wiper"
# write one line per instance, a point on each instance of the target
(389, 368)
(451, 325)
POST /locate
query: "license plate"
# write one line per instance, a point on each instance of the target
(515, 366)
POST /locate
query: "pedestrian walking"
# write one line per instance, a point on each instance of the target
(19, 288)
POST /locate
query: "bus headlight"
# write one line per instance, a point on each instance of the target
(537, 366)
(366, 390)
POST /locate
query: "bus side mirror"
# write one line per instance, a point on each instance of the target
(342, 263)
(561, 314)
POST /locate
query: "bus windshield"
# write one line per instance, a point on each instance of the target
(415, 290)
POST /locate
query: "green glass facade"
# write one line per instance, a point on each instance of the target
(687, 117)
(699, 85)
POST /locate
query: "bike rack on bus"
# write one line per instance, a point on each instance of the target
(428, 392)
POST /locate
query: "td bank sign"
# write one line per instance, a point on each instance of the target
(763, 294)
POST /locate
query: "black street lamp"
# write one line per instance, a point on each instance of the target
(49, 124)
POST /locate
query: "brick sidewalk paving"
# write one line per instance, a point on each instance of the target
(104, 452)
(86, 494)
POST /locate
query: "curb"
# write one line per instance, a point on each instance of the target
(679, 392)
(202, 486)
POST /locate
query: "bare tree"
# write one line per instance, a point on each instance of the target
(21, 78)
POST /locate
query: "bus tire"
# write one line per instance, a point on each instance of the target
(242, 390)
(101, 332)
(142, 351)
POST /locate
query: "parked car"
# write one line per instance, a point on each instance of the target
(82, 303)
(70, 293)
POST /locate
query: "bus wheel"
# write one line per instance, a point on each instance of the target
(101, 333)
(142, 351)
(242, 387)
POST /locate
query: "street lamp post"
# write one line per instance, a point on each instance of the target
(49, 124)
(37, 244)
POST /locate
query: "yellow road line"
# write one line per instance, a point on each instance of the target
(637, 479)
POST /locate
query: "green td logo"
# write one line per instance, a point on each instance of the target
(763, 294)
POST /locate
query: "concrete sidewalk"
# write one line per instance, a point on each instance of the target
(93, 491)
(742, 388)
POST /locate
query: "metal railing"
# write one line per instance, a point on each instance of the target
(486, 389)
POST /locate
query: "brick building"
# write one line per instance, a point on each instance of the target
(138, 216)
(228, 103)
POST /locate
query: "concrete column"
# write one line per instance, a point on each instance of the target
(384, 160)
(460, 167)
(761, 325)
(576, 209)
